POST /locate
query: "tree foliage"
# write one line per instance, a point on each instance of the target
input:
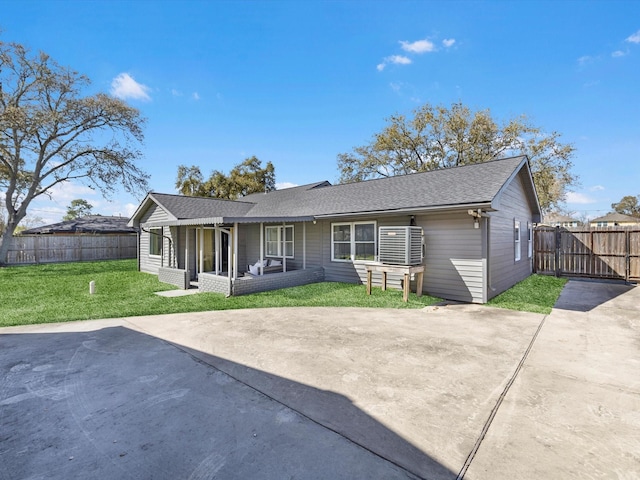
(51, 133)
(438, 137)
(629, 205)
(78, 208)
(245, 178)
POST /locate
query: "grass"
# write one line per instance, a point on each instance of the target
(537, 294)
(60, 293)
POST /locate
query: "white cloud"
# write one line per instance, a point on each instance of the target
(634, 38)
(176, 93)
(283, 185)
(380, 66)
(596, 188)
(618, 53)
(398, 60)
(579, 198)
(448, 42)
(195, 96)
(584, 60)
(124, 86)
(419, 46)
(64, 192)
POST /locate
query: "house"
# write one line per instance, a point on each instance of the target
(477, 223)
(90, 224)
(615, 220)
(557, 220)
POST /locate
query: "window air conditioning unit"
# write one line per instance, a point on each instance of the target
(400, 245)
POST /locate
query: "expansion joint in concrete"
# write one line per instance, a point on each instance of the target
(496, 407)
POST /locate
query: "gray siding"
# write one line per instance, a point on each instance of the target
(251, 240)
(356, 272)
(504, 270)
(148, 263)
(454, 263)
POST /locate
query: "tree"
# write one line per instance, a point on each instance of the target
(50, 133)
(245, 178)
(78, 208)
(629, 205)
(438, 137)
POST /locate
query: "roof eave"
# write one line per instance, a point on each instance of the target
(412, 210)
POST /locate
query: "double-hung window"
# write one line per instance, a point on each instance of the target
(279, 241)
(353, 241)
(155, 241)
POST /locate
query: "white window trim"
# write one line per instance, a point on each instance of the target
(280, 243)
(529, 240)
(160, 241)
(353, 241)
(516, 233)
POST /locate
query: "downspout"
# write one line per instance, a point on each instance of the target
(163, 236)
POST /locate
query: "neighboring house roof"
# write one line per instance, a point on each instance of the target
(89, 224)
(557, 218)
(472, 186)
(616, 218)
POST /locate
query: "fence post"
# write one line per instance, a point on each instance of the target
(557, 251)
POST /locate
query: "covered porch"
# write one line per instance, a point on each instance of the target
(234, 258)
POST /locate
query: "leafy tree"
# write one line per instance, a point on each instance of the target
(50, 133)
(245, 178)
(629, 205)
(78, 208)
(189, 180)
(439, 137)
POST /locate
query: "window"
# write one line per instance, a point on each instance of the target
(354, 241)
(529, 239)
(516, 229)
(274, 239)
(155, 241)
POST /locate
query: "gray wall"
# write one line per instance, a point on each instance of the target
(504, 270)
(147, 263)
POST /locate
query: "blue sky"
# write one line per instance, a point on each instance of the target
(296, 83)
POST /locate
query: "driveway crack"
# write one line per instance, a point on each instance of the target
(496, 407)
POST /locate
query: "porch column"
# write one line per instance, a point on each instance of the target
(235, 250)
(229, 257)
(304, 245)
(217, 238)
(201, 252)
(284, 247)
(261, 248)
(186, 249)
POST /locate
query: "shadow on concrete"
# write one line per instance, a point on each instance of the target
(584, 295)
(116, 403)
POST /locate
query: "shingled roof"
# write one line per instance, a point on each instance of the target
(471, 186)
(90, 224)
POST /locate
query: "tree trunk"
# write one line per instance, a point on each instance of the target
(5, 242)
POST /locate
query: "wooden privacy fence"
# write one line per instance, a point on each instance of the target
(588, 252)
(71, 248)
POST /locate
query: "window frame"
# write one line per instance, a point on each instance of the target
(353, 242)
(280, 229)
(156, 240)
(529, 240)
(516, 239)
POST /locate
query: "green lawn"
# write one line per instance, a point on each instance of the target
(537, 294)
(60, 293)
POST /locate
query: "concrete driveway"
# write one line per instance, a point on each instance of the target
(445, 392)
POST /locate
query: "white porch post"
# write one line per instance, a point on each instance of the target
(201, 253)
(261, 248)
(284, 247)
(217, 238)
(186, 249)
(235, 250)
(304, 245)
(229, 256)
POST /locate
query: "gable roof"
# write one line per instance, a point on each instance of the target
(472, 186)
(616, 217)
(89, 224)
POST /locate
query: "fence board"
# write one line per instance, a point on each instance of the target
(588, 252)
(71, 248)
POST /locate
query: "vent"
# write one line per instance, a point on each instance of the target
(400, 245)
